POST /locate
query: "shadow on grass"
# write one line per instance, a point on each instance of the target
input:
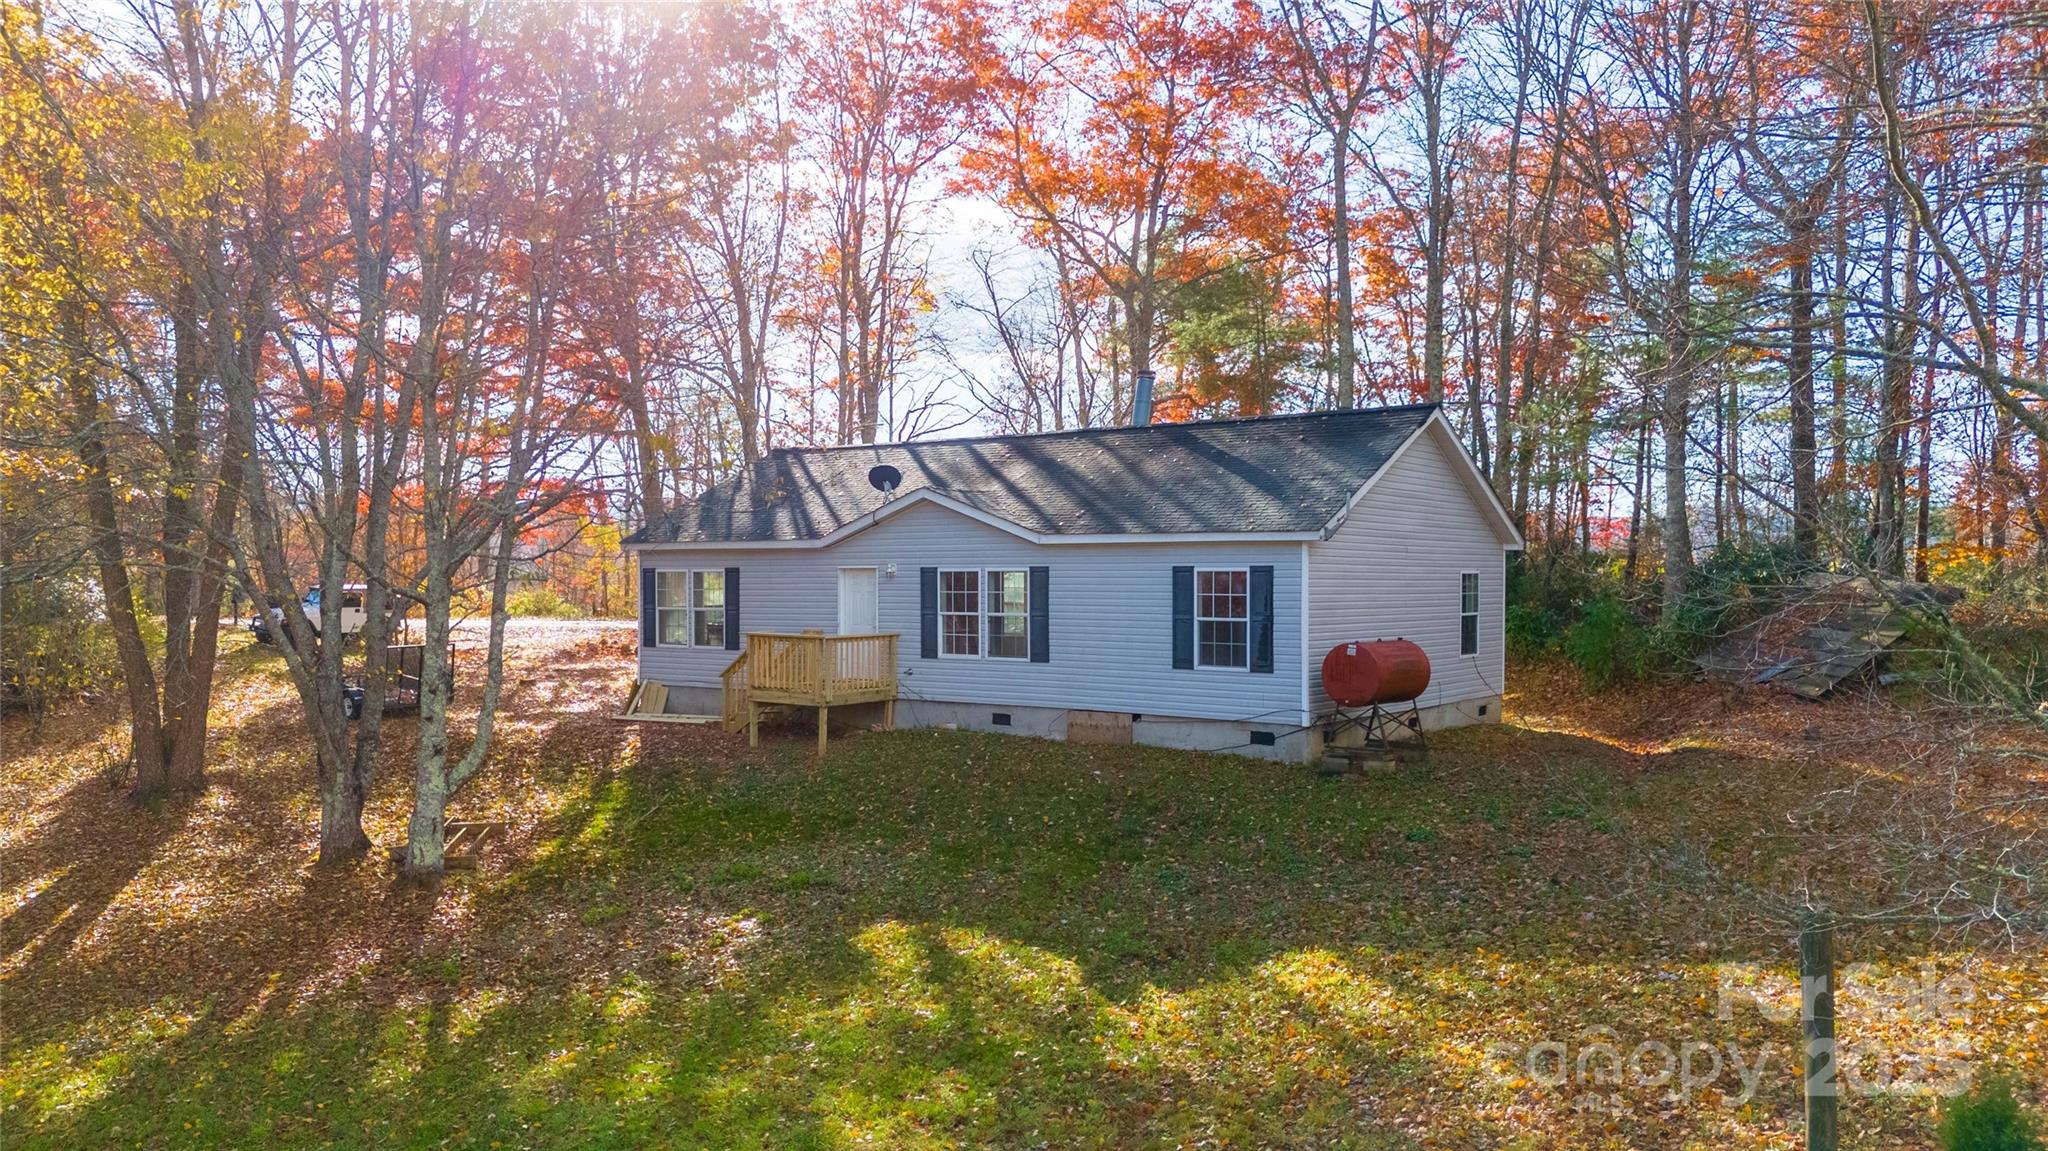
(942, 939)
(76, 862)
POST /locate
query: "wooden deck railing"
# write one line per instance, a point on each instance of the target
(734, 677)
(812, 669)
(820, 670)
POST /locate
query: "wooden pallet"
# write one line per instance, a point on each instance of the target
(466, 839)
(462, 842)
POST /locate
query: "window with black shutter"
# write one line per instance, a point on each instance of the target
(928, 613)
(1041, 615)
(1183, 617)
(649, 628)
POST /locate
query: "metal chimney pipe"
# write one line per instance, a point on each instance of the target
(1141, 403)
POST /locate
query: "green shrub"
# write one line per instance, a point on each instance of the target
(1533, 632)
(1731, 586)
(55, 643)
(1555, 583)
(1560, 601)
(2007, 627)
(1988, 1118)
(540, 600)
(1608, 645)
(1546, 592)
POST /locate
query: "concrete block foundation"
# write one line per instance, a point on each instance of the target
(1278, 738)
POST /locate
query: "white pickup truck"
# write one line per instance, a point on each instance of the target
(266, 626)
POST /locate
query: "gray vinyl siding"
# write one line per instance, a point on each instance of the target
(1111, 618)
(1392, 571)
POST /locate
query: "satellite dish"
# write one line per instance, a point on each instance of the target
(884, 478)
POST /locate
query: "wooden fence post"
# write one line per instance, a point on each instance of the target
(1817, 1026)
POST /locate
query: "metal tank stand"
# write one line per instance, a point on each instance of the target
(1387, 730)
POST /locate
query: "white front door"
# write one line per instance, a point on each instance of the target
(856, 601)
(857, 616)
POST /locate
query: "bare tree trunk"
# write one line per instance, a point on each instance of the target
(1475, 402)
(1676, 413)
(145, 722)
(1638, 494)
(1926, 475)
(1436, 26)
(1731, 463)
(1888, 535)
(425, 834)
(1436, 260)
(188, 694)
(1838, 363)
(1721, 511)
(1332, 74)
(2001, 488)
(1799, 363)
(1340, 244)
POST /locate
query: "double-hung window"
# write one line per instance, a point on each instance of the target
(707, 608)
(1223, 617)
(1009, 614)
(984, 614)
(1468, 613)
(689, 608)
(960, 613)
(672, 608)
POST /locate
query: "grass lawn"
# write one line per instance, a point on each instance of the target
(936, 939)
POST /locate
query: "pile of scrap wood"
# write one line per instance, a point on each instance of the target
(1828, 628)
(649, 701)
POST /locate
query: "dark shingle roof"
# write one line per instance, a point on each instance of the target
(1276, 474)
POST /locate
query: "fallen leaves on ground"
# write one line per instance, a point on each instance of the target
(940, 939)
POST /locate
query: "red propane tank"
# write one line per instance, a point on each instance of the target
(1360, 674)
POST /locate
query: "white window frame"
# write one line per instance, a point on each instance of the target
(989, 616)
(698, 612)
(1195, 640)
(980, 603)
(662, 608)
(1464, 614)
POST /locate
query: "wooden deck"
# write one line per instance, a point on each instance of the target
(809, 669)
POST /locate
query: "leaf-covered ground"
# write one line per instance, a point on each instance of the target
(937, 939)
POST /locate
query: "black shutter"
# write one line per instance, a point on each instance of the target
(1184, 617)
(1262, 618)
(732, 609)
(1041, 621)
(648, 628)
(928, 613)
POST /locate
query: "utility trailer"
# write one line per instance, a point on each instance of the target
(404, 667)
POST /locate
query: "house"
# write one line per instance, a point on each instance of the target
(1173, 584)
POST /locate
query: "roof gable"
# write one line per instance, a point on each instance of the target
(1469, 477)
(1282, 475)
